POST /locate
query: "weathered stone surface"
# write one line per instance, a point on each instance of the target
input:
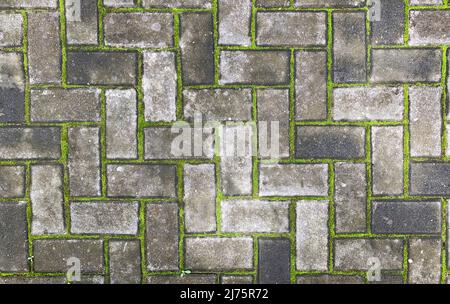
(235, 22)
(424, 261)
(330, 142)
(187, 279)
(119, 3)
(368, 103)
(12, 181)
(236, 279)
(293, 180)
(272, 3)
(426, 27)
(329, 279)
(162, 230)
(215, 254)
(13, 237)
(125, 261)
(177, 3)
(425, 2)
(274, 262)
(388, 28)
(60, 105)
(141, 181)
(29, 3)
(12, 95)
(329, 3)
(254, 67)
(432, 179)
(144, 30)
(32, 280)
(82, 30)
(11, 33)
(255, 216)
(102, 218)
(47, 199)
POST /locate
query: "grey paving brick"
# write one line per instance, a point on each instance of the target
(83, 30)
(215, 254)
(424, 261)
(84, 161)
(406, 217)
(368, 103)
(101, 68)
(236, 279)
(12, 86)
(312, 235)
(219, 104)
(406, 65)
(178, 3)
(162, 230)
(329, 279)
(141, 180)
(52, 255)
(121, 124)
(387, 160)
(61, 105)
(44, 48)
(200, 198)
(104, 217)
(293, 180)
(235, 22)
(160, 86)
(329, 3)
(255, 216)
(254, 67)
(387, 278)
(187, 279)
(12, 181)
(323, 142)
(425, 121)
(118, 3)
(144, 30)
(197, 48)
(429, 179)
(29, 4)
(425, 2)
(47, 199)
(30, 143)
(125, 261)
(272, 3)
(13, 237)
(425, 27)
(32, 280)
(349, 47)
(310, 85)
(301, 29)
(274, 262)
(273, 113)
(354, 254)
(350, 197)
(11, 33)
(391, 24)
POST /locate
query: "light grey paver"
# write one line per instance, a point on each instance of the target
(235, 22)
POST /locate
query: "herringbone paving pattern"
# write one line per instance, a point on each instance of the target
(90, 92)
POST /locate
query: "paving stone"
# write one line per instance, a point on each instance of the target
(432, 179)
(368, 103)
(349, 47)
(219, 104)
(125, 261)
(13, 237)
(322, 142)
(101, 68)
(391, 24)
(354, 254)
(162, 228)
(30, 143)
(329, 279)
(254, 67)
(84, 161)
(312, 235)
(197, 48)
(160, 86)
(350, 197)
(406, 217)
(310, 85)
(425, 261)
(387, 160)
(237, 279)
(199, 198)
(406, 65)
(424, 32)
(249, 216)
(11, 33)
(53, 255)
(141, 181)
(293, 180)
(215, 254)
(425, 2)
(425, 119)
(44, 48)
(187, 279)
(274, 262)
(329, 3)
(143, 30)
(121, 124)
(12, 181)
(235, 22)
(82, 30)
(177, 3)
(29, 4)
(104, 217)
(273, 114)
(387, 278)
(303, 29)
(118, 3)
(61, 105)
(12, 86)
(32, 280)
(47, 199)
(272, 3)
